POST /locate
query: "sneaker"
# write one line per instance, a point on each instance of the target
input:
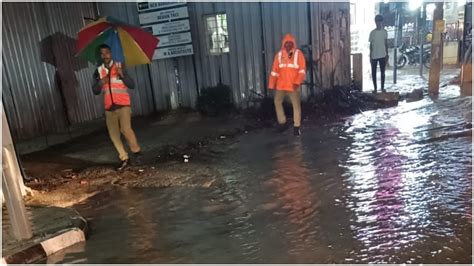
(384, 91)
(296, 131)
(124, 164)
(282, 128)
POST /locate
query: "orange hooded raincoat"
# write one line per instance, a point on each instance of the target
(287, 72)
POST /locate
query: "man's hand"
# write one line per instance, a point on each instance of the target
(120, 71)
(104, 80)
(295, 87)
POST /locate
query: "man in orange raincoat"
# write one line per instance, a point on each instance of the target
(288, 72)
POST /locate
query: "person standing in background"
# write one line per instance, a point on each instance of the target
(378, 51)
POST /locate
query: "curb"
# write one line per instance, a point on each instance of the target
(57, 242)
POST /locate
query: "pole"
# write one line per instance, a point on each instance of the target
(12, 186)
(395, 47)
(357, 70)
(310, 51)
(398, 34)
(264, 60)
(436, 49)
(152, 88)
(422, 34)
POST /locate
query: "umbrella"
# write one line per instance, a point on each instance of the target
(129, 44)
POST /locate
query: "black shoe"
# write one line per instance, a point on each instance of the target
(137, 158)
(374, 91)
(124, 164)
(296, 131)
(384, 91)
(282, 128)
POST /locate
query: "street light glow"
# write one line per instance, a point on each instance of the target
(430, 8)
(415, 4)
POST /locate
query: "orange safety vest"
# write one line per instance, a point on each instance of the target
(115, 91)
(287, 72)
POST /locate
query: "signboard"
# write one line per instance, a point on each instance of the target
(175, 51)
(168, 27)
(175, 39)
(164, 15)
(149, 6)
(170, 22)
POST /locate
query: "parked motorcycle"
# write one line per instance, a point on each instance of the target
(411, 55)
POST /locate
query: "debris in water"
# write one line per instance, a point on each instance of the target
(448, 249)
(415, 95)
(84, 182)
(222, 137)
(208, 183)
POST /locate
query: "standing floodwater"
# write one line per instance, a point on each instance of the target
(391, 185)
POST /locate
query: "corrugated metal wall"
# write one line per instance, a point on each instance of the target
(75, 74)
(255, 34)
(241, 68)
(32, 103)
(40, 100)
(280, 19)
(36, 105)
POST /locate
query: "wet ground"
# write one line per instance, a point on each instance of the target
(390, 185)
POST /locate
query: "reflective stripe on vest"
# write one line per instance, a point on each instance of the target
(295, 61)
(116, 91)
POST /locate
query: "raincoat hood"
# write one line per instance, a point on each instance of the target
(288, 38)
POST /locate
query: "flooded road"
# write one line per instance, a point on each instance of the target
(390, 185)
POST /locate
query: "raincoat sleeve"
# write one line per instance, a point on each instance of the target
(127, 80)
(301, 70)
(274, 74)
(96, 86)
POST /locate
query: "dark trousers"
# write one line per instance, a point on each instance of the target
(382, 63)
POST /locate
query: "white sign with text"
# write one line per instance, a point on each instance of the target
(170, 52)
(175, 39)
(164, 15)
(168, 27)
(170, 22)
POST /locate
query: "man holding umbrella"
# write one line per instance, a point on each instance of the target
(113, 82)
(113, 42)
